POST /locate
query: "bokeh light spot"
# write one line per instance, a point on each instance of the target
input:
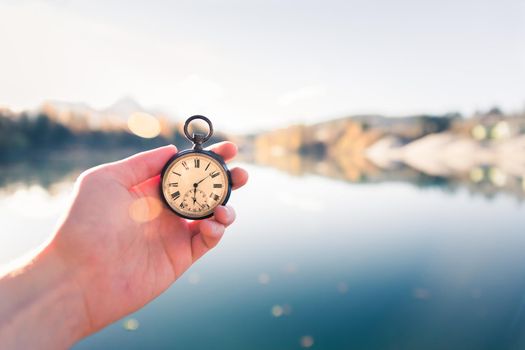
(277, 311)
(479, 132)
(264, 278)
(144, 125)
(194, 278)
(497, 177)
(145, 209)
(501, 130)
(287, 310)
(342, 287)
(306, 341)
(476, 293)
(421, 293)
(476, 175)
(131, 324)
(290, 268)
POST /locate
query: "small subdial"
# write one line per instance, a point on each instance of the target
(195, 201)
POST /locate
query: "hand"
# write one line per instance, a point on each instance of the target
(124, 259)
(119, 246)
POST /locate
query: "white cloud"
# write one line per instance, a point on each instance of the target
(304, 93)
(48, 53)
(196, 95)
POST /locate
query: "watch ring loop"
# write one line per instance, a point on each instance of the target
(193, 138)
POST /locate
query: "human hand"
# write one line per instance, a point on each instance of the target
(121, 246)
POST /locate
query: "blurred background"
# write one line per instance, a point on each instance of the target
(385, 142)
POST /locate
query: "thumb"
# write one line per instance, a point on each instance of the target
(140, 167)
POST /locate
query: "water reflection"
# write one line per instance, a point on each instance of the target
(486, 181)
(47, 169)
(317, 263)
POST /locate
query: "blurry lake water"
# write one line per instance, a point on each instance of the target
(321, 263)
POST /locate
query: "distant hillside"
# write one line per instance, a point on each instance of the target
(357, 133)
(483, 148)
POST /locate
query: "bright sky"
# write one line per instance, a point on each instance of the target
(264, 63)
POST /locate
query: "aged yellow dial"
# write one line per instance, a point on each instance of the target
(194, 184)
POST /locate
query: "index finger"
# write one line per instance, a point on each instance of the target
(226, 149)
(141, 166)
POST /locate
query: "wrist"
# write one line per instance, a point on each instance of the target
(41, 298)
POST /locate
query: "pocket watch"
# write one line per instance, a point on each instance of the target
(195, 181)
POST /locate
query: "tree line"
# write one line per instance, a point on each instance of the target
(24, 135)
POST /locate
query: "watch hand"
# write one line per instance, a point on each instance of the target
(203, 206)
(197, 183)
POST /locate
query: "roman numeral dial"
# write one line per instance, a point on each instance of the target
(194, 184)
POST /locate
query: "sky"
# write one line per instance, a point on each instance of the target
(259, 64)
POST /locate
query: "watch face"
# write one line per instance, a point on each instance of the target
(194, 184)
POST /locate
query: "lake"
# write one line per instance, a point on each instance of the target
(319, 262)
